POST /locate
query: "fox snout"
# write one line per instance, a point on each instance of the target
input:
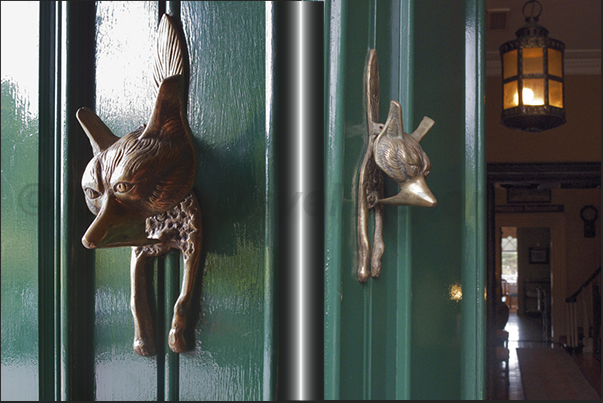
(116, 225)
(413, 193)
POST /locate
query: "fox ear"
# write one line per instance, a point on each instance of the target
(169, 114)
(393, 126)
(424, 126)
(98, 133)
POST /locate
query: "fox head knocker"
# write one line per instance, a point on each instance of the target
(400, 156)
(139, 175)
(140, 187)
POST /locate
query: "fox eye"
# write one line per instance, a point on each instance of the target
(123, 187)
(414, 168)
(91, 193)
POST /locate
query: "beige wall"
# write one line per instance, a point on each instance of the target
(577, 140)
(583, 254)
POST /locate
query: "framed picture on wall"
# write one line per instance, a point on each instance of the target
(539, 255)
(528, 195)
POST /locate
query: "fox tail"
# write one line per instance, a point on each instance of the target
(172, 55)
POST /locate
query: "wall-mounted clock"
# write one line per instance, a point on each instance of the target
(589, 215)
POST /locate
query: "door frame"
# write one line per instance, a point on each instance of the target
(558, 258)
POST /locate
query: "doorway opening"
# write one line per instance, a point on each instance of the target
(509, 271)
(526, 277)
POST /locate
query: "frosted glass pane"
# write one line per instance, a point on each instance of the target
(556, 94)
(533, 92)
(555, 63)
(532, 61)
(510, 98)
(19, 267)
(510, 64)
(125, 45)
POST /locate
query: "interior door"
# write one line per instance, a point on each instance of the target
(108, 67)
(416, 331)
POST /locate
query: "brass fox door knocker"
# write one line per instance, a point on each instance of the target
(140, 187)
(400, 156)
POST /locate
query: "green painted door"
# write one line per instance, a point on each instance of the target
(417, 331)
(232, 355)
(100, 55)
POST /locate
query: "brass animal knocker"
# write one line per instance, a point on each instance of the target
(400, 156)
(140, 187)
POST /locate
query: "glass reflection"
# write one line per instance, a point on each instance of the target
(456, 292)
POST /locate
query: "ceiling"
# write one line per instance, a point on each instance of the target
(577, 23)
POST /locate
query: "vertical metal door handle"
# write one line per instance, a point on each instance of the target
(400, 156)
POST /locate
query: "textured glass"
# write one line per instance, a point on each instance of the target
(533, 61)
(510, 64)
(555, 63)
(556, 94)
(125, 44)
(20, 200)
(510, 98)
(533, 92)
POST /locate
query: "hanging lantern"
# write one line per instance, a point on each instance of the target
(532, 71)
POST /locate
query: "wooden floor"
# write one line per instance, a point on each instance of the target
(591, 367)
(527, 333)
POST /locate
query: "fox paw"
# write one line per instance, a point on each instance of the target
(144, 348)
(176, 341)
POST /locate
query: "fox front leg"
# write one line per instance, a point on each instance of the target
(191, 254)
(378, 245)
(364, 247)
(144, 340)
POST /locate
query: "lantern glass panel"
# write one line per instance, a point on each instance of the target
(510, 64)
(533, 92)
(532, 61)
(556, 94)
(510, 95)
(555, 64)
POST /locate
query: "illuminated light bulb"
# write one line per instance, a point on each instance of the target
(528, 96)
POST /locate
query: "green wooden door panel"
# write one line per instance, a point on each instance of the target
(227, 112)
(437, 241)
(448, 249)
(407, 334)
(369, 355)
(105, 53)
